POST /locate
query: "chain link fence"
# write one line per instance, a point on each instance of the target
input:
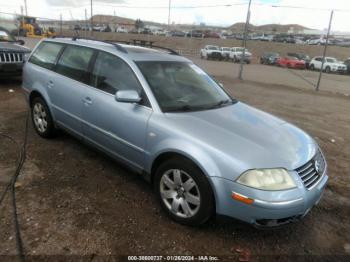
(288, 55)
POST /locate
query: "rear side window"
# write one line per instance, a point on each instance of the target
(46, 54)
(74, 62)
(111, 74)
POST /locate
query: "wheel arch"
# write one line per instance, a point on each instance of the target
(33, 95)
(163, 156)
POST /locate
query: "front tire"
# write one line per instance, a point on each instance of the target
(328, 70)
(42, 119)
(184, 192)
(312, 67)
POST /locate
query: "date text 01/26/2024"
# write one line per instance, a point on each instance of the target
(173, 258)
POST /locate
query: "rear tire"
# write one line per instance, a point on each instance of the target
(42, 119)
(184, 192)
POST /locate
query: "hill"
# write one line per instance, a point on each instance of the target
(268, 28)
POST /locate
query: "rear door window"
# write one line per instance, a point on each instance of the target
(46, 54)
(74, 62)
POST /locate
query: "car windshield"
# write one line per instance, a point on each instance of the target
(331, 60)
(213, 48)
(241, 50)
(182, 86)
(272, 54)
(4, 36)
(226, 49)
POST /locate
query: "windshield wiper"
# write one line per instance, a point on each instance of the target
(184, 108)
(222, 103)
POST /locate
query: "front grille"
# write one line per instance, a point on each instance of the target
(11, 57)
(311, 172)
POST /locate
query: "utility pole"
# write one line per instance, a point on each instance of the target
(324, 51)
(244, 43)
(91, 22)
(61, 22)
(169, 15)
(21, 22)
(25, 7)
(86, 23)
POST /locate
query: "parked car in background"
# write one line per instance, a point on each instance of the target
(317, 41)
(146, 31)
(302, 57)
(12, 54)
(211, 35)
(121, 29)
(177, 33)
(225, 52)
(344, 43)
(266, 38)
(269, 58)
(282, 38)
(347, 63)
(211, 52)
(161, 32)
(331, 65)
(204, 152)
(290, 62)
(236, 54)
(195, 33)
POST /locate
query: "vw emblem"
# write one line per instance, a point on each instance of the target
(317, 166)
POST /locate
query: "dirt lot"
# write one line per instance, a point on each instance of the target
(73, 200)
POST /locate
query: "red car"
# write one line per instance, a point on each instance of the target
(291, 62)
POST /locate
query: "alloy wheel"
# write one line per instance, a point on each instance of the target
(40, 117)
(180, 193)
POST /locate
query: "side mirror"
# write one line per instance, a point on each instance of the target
(20, 41)
(127, 96)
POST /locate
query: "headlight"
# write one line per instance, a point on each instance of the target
(267, 179)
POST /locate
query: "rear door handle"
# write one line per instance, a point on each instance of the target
(87, 101)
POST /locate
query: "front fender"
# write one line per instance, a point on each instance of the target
(197, 155)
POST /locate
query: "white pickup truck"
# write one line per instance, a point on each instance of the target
(330, 65)
(225, 52)
(211, 52)
(237, 52)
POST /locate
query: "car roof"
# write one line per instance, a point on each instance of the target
(135, 53)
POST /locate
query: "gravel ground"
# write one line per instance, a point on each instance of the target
(76, 203)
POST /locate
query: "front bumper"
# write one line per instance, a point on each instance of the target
(339, 70)
(269, 208)
(215, 55)
(10, 69)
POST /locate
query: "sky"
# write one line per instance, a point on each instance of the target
(315, 15)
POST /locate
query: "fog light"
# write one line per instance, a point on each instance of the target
(241, 198)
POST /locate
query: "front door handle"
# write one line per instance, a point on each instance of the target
(87, 101)
(50, 84)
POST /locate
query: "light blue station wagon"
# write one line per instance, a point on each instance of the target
(205, 152)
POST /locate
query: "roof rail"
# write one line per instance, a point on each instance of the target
(144, 43)
(74, 38)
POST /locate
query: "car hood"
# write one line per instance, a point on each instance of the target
(247, 136)
(8, 47)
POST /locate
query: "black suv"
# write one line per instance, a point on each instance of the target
(12, 54)
(269, 58)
